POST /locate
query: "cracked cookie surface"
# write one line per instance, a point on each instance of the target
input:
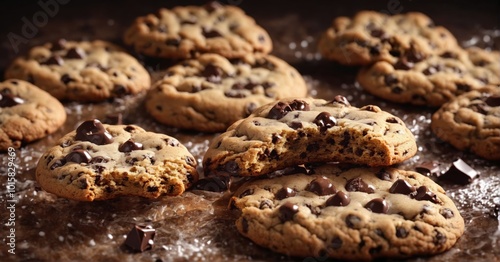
(297, 131)
(348, 213)
(187, 31)
(27, 113)
(434, 80)
(99, 161)
(370, 36)
(211, 92)
(81, 71)
(471, 122)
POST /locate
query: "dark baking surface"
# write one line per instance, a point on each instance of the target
(197, 226)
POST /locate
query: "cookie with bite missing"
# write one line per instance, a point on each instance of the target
(211, 92)
(348, 213)
(99, 161)
(471, 122)
(87, 71)
(434, 80)
(371, 36)
(27, 113)
(296, 131)
(187, 31)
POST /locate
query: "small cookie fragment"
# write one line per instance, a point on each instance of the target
(296, 131)
(370, 37)
(27, 113)
(187, 31)
(99, 161)
(471, 122)
(432, 81)
(404, 216)
(81, 71)
(211, 92)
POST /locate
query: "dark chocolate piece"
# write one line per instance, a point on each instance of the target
(140, 238)
(339, 199)
(428, 168)
(324, 121)
(358, 184)
(321, 186)
(459, 173)
(282, 109)
(285, 192)
(7, 99)
(78, 156)
(94, 132)
(402, 187)
(76, 53)
(493, 101)
(424, 194)
(377, 205)
(129, 146)
(53, 60)
(287, 211)
(213, 73)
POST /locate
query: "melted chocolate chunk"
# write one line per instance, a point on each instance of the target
(285, 192)
(463, 87)
(129, 146)
(424, 194)
(377, 205)
(287, 211)
(384, 175)
(359, 185)
(341, 100)
(403, 64)
(281, 109)
(339, 199)
(140, 238)
(213, 73)
(213, 184)
(321, 186)
(54, 60)
(94, 132)
(78, 156)
(211, 33)
(76, 53)
(7, 99)
(296, 125)
(459, 173)
(402, 187)
(65, 79)
(493, 101)
(324, 121)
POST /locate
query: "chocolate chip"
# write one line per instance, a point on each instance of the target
(341, 100)
(250, 107)
(231, 167)
(321, 186)
(267, 85)
(234, 94)
(339, 199)
(397, 90)
(459, 173)
(402, 187)
(54, 60)
(493, 101)
(58, 163)
(384, 175)
(424, 194)
(414, 56)
(58, 45)
(296, 125)
(140, 238)
(352, 221)
(66, 79)
(392, 120)
(324, 121)
(212, 73)
(375, 50)
(439, 238)
(281, 109)
(359, 185)
(390, 79)
(119, 90)
(212, 6)
(401, 232)
(76, 53)
(213, 184)
(377, 205)
(395, 52)
(7, 99)
(449, 54)
(379, 33)
(336, 243)
(287, 211)
(264, 63)
(370, 108)
(94, 132)
(98, 159)
(346, 140)
(129, 146)
(432, 70)
(403, 64)
(463, 87)
(447, 213)
(211, 33)
(285, 192)
(173, 42)
(78, 156)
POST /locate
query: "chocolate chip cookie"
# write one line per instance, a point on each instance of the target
(471, 122)
(211, 92)
(356, 214)
(434, 80)
(187, 31)
(370, 36)
(298, 131)
(99, 161)
(27, 113)
(81, 71)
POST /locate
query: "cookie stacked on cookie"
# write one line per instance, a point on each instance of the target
(302, 204)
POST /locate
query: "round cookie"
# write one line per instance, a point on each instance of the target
(351, 213)
(187, 31)
(211, 92)
(432, 81)
(370, 36)
(81, 71)
(27, 113)
(471, 122)
(296, 131)
(99, 161)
